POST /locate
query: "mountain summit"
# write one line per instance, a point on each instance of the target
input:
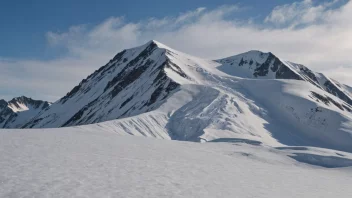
(259, 65)
(155, 91)
(135, 81)
(19, 110)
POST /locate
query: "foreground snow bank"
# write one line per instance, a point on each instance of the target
(71, 162)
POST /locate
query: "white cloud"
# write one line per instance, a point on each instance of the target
(300, 13)
(47, 80)
(324, 43)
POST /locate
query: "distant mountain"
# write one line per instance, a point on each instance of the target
(18, 111)
(256, 64)
(159, 92)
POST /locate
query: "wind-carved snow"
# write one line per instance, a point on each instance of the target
(145, 125)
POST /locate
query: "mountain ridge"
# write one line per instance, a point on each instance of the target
(270, 66)
(124, 70)
(155, 91)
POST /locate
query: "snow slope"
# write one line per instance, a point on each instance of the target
(290, 116)
(71, 162)
(315, 117)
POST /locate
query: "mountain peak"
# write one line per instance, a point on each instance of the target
(19, 110)
(136, 80)
(261, 65)
(3, 103)
(20, 98)
(155, 42)
(23, 103)
(158, 45)
(257, 52)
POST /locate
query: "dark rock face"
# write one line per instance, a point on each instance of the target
(176, 69)
(29, 102)
(160, 93)
(285, 73)
(331, 88)
(125, 77)
(242, 62)
(3, 104)
(126, 101)
(5, 111)
(328, 101)
(263, 69)
(275, 65)
(309, 73)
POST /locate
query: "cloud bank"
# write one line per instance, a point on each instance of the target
(316, 35)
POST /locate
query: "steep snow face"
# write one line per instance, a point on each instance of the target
(259, 65)
(313, 116)
(18, 111)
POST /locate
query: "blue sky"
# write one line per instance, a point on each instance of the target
(46, 47)
(26, 22)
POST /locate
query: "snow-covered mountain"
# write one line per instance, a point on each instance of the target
(133, 82)
(256, 64)
(156, 91)
(256, 113)
(18, 111)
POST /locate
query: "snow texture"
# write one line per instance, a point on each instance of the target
(72, 162)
